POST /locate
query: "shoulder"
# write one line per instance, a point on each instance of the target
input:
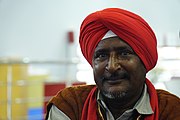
(71, 100)
(73, 95)
(167, 97)
(75, 91)
(169, 105)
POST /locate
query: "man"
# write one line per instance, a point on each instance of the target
(121, 48)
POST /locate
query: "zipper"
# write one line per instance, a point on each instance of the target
(139, 117)
(100, 112)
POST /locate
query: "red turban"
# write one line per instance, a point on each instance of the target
(128, 26)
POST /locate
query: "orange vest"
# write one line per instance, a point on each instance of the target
(71, 101)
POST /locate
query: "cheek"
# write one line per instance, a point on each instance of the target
(140, 67)
(98, 70)
(136, 63)
(136, 68)
(99, 66)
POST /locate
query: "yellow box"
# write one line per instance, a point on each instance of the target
(9, 77)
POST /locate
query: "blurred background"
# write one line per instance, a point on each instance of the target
(39, 51)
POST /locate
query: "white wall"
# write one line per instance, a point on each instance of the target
(38, 28)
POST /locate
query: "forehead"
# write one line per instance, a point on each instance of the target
(111, 43)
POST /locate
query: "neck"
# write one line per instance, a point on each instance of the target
(117, 108)
(120, 105)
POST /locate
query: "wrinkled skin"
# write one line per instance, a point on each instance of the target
(118, 71)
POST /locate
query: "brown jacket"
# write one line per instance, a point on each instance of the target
(71, 101)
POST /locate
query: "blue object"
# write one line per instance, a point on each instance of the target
(35, 114)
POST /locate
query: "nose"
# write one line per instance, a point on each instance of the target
(113, 63)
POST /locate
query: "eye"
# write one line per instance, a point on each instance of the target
(101, 56)
(125, 53)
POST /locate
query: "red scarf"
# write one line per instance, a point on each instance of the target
(89, 111)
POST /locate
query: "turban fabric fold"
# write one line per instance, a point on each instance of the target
(130, 27)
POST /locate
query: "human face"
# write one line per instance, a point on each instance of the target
(118, 71)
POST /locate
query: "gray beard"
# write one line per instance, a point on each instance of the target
(114, 95)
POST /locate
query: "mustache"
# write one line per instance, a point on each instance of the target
(114, 76)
